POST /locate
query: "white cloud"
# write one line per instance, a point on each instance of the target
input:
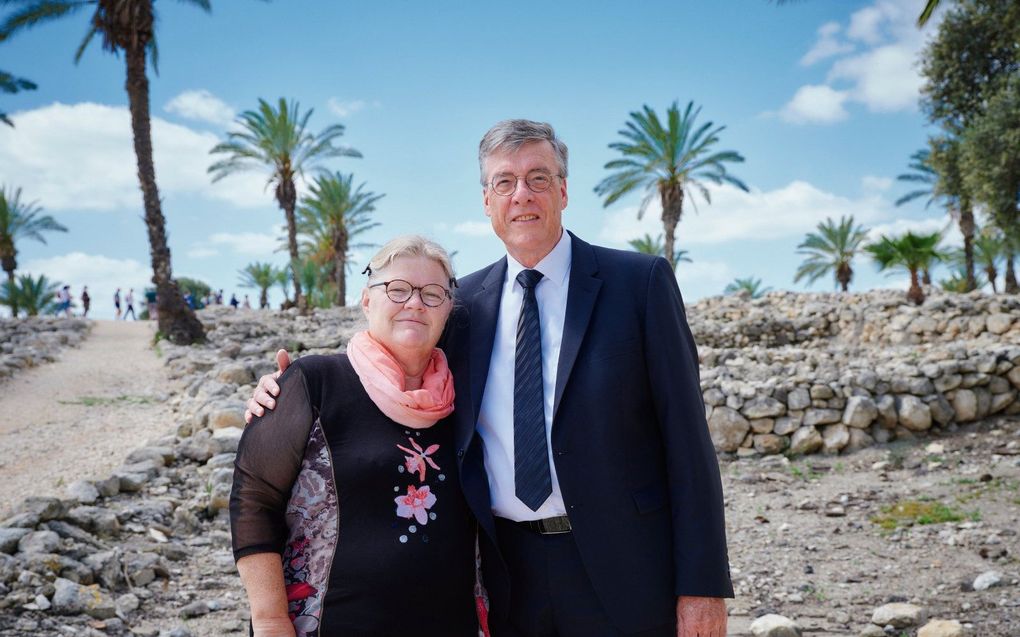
(734, 215)
(201, 105)
(81, 157)
(897, 227)
(473, 228)
(102, 274)
(703, 274)
(246, 243)
(883, 77)
(827, 45)
(872, 183)
(201, 252)
(345, 108)
(817, 104)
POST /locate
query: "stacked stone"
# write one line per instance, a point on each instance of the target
(32, 341)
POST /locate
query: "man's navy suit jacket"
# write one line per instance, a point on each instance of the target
(635, 462)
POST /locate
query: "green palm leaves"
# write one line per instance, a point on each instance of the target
(330, 216)
(909, 252)
(671, 159)
(11, 84)
(749, 286)
(33, 295)
(278, 139)
(831, 250)
(654, 246)
(20, 220)
(262, 276)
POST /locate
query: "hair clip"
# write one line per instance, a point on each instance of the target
(367, 270)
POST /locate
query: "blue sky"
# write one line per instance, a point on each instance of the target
(819, 96)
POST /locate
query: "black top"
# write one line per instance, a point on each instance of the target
(358, 505)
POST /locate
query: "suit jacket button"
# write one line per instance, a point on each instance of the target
(460, 453)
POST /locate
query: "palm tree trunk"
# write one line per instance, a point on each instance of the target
(176, 320)
(286, 195)
(992, 274)
(843, 274)
(672, 197)
(967, 230)
(9, 265)
(264, 297)
(926, 276)
(1010, 286)
(915, 294)
(340, 267)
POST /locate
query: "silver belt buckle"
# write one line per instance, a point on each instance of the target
(551, 526)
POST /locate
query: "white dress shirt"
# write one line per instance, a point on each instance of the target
(496, 414)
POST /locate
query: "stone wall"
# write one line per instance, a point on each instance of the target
(35, 340)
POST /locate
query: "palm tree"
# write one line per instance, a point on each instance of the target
(34, 296)
(749, 286)
(282, 278)
(333, 213)
(20, 220)
(988, 250)
(129, 26)
(11, 84)
(259, 275)
(939, 178)
(670, 160)
(922, 20)
(278, 138)
(910, 252)
(648, 245)
(831, 249)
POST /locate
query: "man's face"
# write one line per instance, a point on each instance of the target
(529, 223)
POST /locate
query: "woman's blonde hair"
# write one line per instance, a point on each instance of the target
(410, 245)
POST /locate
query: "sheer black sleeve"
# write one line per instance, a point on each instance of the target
(267, 464)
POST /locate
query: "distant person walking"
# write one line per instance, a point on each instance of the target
(233, 301)
(129, 303)
(64, 301)
(247, 304)
(86, 301)
(116, 303)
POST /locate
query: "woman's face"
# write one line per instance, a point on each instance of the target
(411, 326)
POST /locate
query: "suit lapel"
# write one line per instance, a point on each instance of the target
(581, 296)
(484, 312)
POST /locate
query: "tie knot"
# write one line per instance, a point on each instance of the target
(529, 278)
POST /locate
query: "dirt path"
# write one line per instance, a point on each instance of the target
(77, 418)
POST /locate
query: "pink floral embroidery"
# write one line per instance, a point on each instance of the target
(417, 458)
(415, 503)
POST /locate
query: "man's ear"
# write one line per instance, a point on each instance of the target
(364, 301)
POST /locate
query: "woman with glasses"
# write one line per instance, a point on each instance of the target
(346, 514)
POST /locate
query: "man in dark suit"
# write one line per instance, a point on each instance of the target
(589, 467)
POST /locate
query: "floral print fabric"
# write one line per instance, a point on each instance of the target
(312, 520)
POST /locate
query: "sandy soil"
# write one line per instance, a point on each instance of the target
(77, 418)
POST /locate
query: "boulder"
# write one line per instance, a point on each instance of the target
(727, 428)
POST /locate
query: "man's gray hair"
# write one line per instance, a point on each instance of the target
(510, 134)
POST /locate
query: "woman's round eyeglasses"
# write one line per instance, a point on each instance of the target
(505, 184)
(400, 291)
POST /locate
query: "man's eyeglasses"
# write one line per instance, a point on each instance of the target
(505, 184)
(400, 291)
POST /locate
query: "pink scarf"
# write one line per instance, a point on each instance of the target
(383, 379)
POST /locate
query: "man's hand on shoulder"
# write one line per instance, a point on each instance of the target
(700, 616)
(263, 397)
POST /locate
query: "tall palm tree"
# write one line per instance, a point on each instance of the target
(331, 215)
(655, 246)
(831, 249)
(749, 286)
(20, 220)
(259, 275)
(33, 295)
(989, 250)
(670, 160)
(910, 252)
(128, 26)
(939, 179)
(278, 138)
(11, 84)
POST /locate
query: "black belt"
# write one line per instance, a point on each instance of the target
(548, 526)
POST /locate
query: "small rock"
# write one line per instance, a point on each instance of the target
(195, 609)
(39, 542)
(83, 491)
(772, 625)
(941, 628)
(71, 599)
(9, 539)
(898, 615)
(987, 580)
(127, 604)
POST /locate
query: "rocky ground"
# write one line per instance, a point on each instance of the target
(827, 541)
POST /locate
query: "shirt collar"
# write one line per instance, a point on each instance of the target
(555, 266)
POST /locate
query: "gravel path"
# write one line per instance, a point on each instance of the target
(78, 417)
